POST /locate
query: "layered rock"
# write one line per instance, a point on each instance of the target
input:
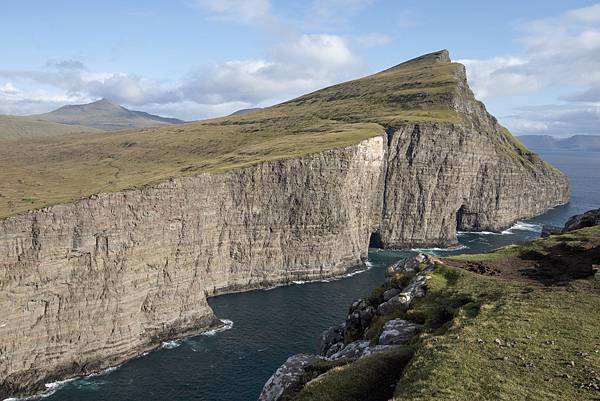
(470, 174)
(89, 284)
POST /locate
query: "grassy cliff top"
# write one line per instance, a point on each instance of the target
(37, 172)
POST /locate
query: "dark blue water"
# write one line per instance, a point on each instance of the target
(271, 325)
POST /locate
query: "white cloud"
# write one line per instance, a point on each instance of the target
(373, 40)
(560, 54)
(293, 68)
(246, 11)
(558, 120)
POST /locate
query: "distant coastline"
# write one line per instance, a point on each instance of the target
(575, 142)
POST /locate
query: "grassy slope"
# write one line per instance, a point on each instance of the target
(512, 343)
(17, 128)
(486, 338)
(46, 171)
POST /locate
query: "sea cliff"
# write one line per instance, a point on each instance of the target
(91, 283)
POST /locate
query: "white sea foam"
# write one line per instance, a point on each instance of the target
(522, 226)
(368, 265)
(227, 325)
(451, 249)
(171, 344)
(51, 388)
(518, 226)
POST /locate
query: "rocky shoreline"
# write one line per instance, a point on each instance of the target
(405, 281)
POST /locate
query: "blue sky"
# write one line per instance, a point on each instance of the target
(536, 64)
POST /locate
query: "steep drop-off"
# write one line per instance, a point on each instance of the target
(91, 283)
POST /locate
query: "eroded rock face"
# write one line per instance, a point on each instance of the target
(87, 285)
(398, 331)
(469, 174)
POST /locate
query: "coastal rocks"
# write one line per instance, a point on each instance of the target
(287, 375)
(587, 219)
(331, 336)
(398, 331)
(356, 350)
(360, 318)
(415, 289)
(407, 265)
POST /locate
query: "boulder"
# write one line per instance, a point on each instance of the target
(389, 294)
(288, 374)
(415, 289)
(331, 336)
(356, 350)
(398, 331)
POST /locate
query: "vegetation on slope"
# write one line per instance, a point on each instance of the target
(516, 324)
(16, 128)
(46, 171)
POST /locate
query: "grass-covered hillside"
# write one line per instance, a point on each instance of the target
(45, 171)
(18, 128)
(521, 323)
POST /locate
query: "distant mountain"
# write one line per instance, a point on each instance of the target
(575, 142)
(245, 111)
(14, 127)
(105, 115)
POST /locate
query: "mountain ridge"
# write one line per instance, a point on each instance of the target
(575, 142)
(104, 115)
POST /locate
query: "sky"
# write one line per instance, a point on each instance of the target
(535, 64)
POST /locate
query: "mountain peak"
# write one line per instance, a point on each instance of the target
(440, 56)
(105, 115)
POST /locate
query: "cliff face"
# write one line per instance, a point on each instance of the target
(89, 284)
(469, 175)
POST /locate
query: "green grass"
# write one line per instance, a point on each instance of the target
(16, 128)
(509, 342)
(60, 169)
(540, 246)
(369, 379)
(485, 338)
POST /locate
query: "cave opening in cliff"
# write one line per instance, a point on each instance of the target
(375, 240)
(459, 218)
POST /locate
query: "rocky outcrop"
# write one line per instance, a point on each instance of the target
(287, 375)
(588, 219)
(334, 346)
(92, 283)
